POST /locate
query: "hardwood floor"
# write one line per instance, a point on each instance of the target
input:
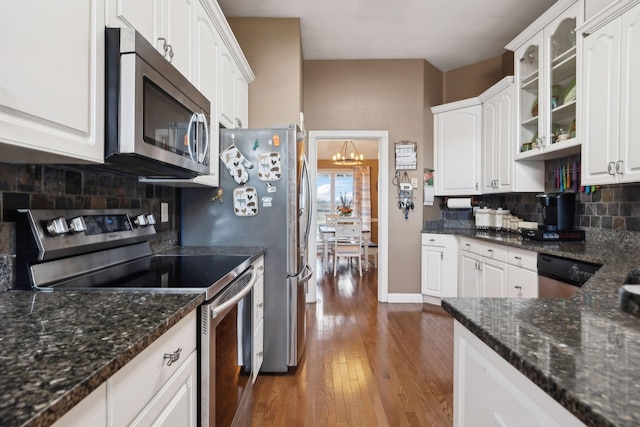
(365, 363)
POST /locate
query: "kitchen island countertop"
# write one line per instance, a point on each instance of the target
(57, 347)
(582, 351)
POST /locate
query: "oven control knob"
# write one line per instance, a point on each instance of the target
(151, 220)
(77, 225)
(140, 220)
(57, 226)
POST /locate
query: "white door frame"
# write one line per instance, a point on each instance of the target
(383, 200)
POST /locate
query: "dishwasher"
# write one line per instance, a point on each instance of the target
(562, 277)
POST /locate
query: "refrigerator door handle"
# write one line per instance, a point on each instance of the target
(308, 276)
(305, 171)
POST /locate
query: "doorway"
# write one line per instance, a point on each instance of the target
(382, 137)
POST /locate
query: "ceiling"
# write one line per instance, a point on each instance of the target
(448, 34)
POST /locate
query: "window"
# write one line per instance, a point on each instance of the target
(330, 183)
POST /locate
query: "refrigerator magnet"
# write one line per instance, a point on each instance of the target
(245, 201)
(271, 188)
(269, 166)
(266, 202)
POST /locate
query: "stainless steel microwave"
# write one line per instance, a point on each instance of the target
(157, 122)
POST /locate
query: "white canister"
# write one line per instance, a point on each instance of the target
(496, 218)
(482, 219)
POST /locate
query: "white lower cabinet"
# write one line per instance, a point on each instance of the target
(494, 270)
(488, 391)
(91, 411)
(159, 386)
(258, 319)
(439, 266)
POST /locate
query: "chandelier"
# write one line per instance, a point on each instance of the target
(342, 159)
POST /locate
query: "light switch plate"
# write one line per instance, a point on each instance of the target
(414, 182)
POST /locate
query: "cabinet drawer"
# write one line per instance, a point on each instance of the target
(488, 250)
(436, 239)
(258, 264)
(133, 386)
(521, 283)
(523, 258)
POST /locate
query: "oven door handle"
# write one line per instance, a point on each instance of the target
(233, 301)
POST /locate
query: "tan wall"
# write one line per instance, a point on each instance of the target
(273, 48)
(472, 80)
(373, 164)
(433, 79)
(376, 95)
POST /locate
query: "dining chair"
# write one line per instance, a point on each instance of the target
(348, 241)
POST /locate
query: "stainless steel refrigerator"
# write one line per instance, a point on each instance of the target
(266, 202)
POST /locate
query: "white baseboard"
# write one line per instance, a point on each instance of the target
(404, 298)
(430, 300)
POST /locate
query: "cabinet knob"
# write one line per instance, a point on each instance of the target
(261, 305)
(518, 287)
(518, 258)
(490, 251)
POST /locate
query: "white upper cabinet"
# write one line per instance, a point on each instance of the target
(52, 82)
(195, 37)
(545, 57)
(500, 173)
(166, 24)
(611, 93)
(457, 136)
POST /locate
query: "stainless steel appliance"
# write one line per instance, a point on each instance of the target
(558, 211)
(109, 250)
(562, 277)
(157, 122)
(278, 220)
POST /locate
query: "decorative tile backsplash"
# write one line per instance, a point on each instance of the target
(611, 207)
(77, 187)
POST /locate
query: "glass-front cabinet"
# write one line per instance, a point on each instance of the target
(545, 68)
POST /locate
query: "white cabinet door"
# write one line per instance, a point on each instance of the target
(489, 146)
(630, 97)
(432, 270)
(601, 89)
(469, 285)
(494, 279)
(258, 318)
(176, 403)
(52, 82)
(145, 16)
(457, 151)
(179, 34)
(504, 131)
(227, 92)
(521, 283)
(242, 100)
(206, 74)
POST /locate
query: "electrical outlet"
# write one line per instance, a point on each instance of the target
(414, 182)
(164, 212)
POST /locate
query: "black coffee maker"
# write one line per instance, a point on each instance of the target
(558, 210)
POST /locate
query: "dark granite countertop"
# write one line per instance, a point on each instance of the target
(57, 347)
(581, 351)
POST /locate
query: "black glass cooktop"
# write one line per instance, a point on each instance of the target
(178, 272)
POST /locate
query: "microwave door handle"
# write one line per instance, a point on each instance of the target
(194, 117)
(203, 153)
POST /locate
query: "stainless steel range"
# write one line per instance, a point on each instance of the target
(109, 250)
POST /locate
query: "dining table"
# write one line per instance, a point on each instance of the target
(327, 232)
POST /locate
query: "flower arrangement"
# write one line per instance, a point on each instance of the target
(344, 205)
